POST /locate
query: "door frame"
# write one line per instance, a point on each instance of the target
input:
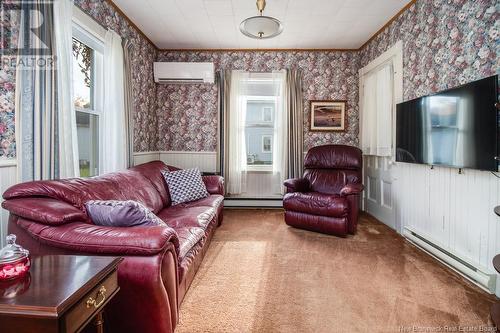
(395, 55)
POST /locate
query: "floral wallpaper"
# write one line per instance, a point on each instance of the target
(145, 129)
(446, 43)
(187, 114)
(9, 27)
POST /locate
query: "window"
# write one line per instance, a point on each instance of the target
(267, 114)
(267, 144)
(87, 97)
(259, 130)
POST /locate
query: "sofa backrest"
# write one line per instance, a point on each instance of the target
(138, 184)
(330, 167)
(152, 171)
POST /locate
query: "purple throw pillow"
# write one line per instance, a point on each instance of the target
(115, 213)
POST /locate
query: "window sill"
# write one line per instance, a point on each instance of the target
(259, 168)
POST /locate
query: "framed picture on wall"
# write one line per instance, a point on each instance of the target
(328, 116)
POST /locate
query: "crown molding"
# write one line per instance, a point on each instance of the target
(257, 50)
(119, 11)
(395, 17)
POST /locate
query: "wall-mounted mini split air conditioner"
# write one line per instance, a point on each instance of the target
(183, 72)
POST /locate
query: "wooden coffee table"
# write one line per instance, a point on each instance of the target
(61, 294)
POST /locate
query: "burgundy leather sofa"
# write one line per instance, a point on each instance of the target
(326, 198)
(160, 262)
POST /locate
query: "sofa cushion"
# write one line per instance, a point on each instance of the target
(185, 185)
(179, 217)
(115, 213)
(315, 203)
(214, 201)
(188, 237)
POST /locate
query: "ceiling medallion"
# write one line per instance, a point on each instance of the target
(260, 26)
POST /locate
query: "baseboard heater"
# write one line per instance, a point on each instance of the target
(478, 275)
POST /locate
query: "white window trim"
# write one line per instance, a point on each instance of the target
(88, 31)
(262, 146)
(88, 24)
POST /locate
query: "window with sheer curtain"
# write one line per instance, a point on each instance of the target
(256, 128)
(377, 111)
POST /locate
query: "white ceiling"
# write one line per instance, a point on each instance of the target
(214, 24)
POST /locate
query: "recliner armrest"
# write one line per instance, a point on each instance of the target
(89, 238)
(351, 189)
(297, 185)
(214, 184)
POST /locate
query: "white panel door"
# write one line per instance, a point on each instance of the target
(379, 198)
(379, 172)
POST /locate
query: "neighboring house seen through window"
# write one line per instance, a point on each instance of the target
(259, 131)
(267, 144)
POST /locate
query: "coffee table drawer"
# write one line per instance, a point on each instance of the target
(94, 301)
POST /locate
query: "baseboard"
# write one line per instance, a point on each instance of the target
(253, 203)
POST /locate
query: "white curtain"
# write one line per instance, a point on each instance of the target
(67, 135)
(280, 142)
(237, 161)
(48, 146)
(376, 132)
(114, 134)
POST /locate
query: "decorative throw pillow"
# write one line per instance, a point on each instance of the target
(115, 213)
(185, 185)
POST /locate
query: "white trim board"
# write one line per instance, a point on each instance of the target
(87, 23)
(8, 177)
(147, 156)
(253, 203)
(8, 162)
(204, 160)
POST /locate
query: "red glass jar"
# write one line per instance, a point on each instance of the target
(14, 260)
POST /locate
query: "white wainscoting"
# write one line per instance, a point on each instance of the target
(452, 210)
(144, 157)
(8, 177)
(206, 161)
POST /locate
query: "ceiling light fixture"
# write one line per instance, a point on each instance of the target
(261, 27)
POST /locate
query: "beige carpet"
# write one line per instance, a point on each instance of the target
(259, 275)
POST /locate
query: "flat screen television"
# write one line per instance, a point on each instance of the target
(457, 128)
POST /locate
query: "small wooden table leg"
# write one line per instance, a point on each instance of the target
(98, 322)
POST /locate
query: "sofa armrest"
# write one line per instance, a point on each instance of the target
(351, 189)
(45, 210)
(88, 238)
(297, 185)
(214, 184)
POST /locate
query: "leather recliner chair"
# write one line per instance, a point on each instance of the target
(326, 198)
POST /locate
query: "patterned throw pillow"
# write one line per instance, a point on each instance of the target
(185, 185)
(115, 213)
